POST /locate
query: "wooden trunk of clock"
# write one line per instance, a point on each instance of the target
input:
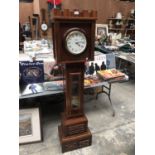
(73, 131)
(74, 75)
(73, 43)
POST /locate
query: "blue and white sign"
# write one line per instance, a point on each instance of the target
(31, 72)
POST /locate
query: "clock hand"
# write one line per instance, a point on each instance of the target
(80, 42)
(77, 43)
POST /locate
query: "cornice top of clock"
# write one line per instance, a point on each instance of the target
(75, 14)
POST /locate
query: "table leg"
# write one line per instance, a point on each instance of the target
(120, 62)
(107, 93)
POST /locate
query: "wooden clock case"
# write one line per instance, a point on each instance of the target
(65, 20)
(73, 131)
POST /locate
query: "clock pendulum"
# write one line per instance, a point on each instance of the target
(73, 35)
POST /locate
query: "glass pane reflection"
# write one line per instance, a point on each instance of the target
(75, 99)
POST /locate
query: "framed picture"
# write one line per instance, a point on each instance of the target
(29, 125)
(101, 29)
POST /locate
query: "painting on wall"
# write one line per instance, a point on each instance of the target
(101, 30)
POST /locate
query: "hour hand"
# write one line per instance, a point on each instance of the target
(77, 43)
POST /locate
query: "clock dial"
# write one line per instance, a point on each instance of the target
(76, 42)
(44, 27)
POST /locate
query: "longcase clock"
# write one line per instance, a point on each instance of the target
(73, 41)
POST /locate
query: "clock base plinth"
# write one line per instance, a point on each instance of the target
(69, 143)
(75, 125)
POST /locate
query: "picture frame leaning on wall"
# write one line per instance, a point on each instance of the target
(30, 130)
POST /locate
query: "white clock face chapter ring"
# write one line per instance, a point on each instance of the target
(44, 27)
(76, 42)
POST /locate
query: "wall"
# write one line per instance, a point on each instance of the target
(28, 9)
(105, 8)
(25, 10)
(36, 7)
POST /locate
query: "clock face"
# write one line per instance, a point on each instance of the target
(44, 27)
(76, 42)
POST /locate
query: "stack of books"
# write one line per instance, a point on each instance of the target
(110, 74)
